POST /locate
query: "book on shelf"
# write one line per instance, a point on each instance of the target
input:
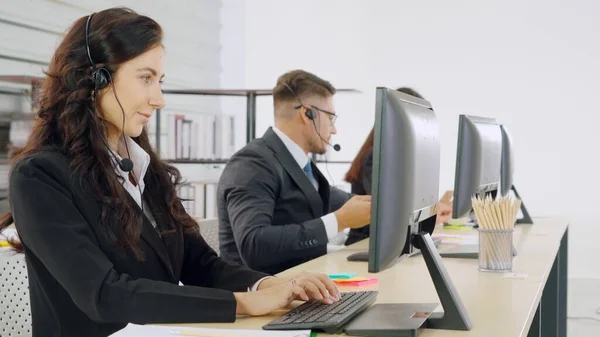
(210, 201)
(187, 192)
(199, 199)
(200, 136)
(18, 134)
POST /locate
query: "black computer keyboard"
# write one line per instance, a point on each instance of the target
(327, 317)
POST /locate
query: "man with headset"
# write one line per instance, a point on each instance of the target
(276, 209)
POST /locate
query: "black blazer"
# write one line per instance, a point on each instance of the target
(363, 187)
(269, 213)
(83, 284)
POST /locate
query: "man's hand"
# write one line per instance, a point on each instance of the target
(355, 213)
(444, 208)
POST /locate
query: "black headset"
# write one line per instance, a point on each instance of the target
(101, 77)
(310, 114)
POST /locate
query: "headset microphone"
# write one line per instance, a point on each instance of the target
(126, 165)
(101, 77)
(311, 115)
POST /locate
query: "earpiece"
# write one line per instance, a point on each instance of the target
(310, 114)
(100, 76)
(336, 147)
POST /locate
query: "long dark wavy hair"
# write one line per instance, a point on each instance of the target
(67, 122)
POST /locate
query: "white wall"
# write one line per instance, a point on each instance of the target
(191, 35)
(31, 30)
(531, 64)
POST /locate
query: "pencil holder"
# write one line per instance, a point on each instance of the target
(496, 250)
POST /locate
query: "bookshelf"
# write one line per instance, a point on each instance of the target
(16, 121)
(22, 86)
(201, 192)
(17, 115)
(321, 161)
(249, 94)
(197, 161)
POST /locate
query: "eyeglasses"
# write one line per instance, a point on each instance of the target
(332, 116)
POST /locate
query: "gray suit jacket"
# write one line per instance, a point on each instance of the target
(269, 213)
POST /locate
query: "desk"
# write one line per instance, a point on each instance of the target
(497, 306)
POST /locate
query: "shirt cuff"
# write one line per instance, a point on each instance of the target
(255, 286)
(333, 248)
(331, 225)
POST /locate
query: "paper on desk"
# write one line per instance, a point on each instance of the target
(132, 330)
(9, 233)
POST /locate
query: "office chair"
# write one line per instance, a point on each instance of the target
(209, 228)
(15, 313)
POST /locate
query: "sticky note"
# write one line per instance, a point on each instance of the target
(342, 275)
(353, 279)
(459, 227)
(458, 222)
(357, 281)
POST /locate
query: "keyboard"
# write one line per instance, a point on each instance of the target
(326, 317)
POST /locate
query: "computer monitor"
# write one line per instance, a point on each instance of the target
(483, 158)
(506, 168)
(507, 174)
(478, 160)
(405, 190)
(406, 172)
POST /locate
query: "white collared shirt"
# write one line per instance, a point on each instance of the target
(301, 158)
(141, 161)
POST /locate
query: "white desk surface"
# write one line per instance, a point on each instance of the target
(497, 306)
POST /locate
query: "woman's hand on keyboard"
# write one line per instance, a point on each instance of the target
(280, 292)
(318, 287)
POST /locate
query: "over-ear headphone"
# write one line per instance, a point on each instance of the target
(101, 77)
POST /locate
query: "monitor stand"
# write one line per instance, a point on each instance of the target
(364, 256)
(409, 250)
(405, 319)
(526, 219)
(466, 252)
(472, 251)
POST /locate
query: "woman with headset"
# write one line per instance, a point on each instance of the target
(359, 176)
(105, 237)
